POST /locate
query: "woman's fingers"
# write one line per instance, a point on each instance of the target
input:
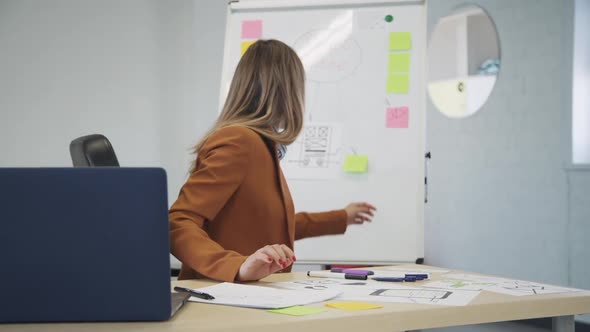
(262, 257)
(279, 253)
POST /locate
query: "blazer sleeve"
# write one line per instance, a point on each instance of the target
(223, 163)
(317, 224)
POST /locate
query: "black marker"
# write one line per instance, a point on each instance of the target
(194, 293)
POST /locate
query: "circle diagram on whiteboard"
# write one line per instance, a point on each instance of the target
(328, 55)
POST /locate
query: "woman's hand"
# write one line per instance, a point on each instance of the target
(266, 261)
(359, 213)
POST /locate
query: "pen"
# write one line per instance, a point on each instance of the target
(389, 279)
(195, 293)
(324, 274)
(396, 279)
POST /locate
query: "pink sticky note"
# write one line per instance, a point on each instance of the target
(252, 29)
(397, 117)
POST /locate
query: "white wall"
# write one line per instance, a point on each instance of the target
(192, 35)
(501, 198)
(70, 68)
(444, 66)
(482, 42)
(145, 73)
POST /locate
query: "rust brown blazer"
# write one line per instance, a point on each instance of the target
(236, 202)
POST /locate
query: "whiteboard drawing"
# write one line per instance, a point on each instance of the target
(314, 155)
(316, 146)
(331, 59)
(330, 54)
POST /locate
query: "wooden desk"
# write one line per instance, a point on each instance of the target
(486, 308)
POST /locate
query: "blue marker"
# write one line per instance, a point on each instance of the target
(394, 279)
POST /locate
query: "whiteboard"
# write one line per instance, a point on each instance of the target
(354, 108)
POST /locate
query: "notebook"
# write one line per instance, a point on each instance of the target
(85, 244)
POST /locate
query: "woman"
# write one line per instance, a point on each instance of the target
(234, 219)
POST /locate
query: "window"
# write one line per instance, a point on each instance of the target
(581, 84)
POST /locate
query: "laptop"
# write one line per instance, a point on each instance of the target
(85, 244)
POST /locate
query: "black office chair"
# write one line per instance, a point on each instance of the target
(93, 151)
(96, 151)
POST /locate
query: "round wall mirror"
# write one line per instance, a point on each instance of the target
(463, 61)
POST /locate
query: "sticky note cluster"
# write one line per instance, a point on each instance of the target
(251, 31)
(398, 68)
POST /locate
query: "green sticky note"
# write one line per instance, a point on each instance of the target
(399, 62)
(298, 310)
(398, 83)
(356, 163)
(400, 41)
(353, 306)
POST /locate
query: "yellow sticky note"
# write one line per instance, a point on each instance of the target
(400, 41)
(245, 45)
(398, 83)
(298, 310)
(399, 62)
(356, 163)
(353, 306)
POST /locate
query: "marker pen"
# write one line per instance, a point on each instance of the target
(324, 274)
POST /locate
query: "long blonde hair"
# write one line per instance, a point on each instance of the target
(266, 94)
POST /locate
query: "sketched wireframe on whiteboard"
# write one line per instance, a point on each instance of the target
(316, 146)
(314, 155)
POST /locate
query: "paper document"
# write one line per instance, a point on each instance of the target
(494, 284)
(261, 297)
(375, 291)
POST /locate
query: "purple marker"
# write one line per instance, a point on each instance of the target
(359, 272)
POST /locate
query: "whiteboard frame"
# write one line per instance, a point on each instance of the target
(289, 4)
(237, 6)
(244, 5)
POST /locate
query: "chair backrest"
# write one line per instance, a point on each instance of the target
(93, 150)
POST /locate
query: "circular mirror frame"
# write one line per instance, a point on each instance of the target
(450, 96)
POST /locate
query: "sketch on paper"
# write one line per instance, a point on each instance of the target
(416, 295)
(315, 153)
(497, 285)
(371, 291)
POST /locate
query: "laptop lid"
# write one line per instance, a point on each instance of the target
(84, 244)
